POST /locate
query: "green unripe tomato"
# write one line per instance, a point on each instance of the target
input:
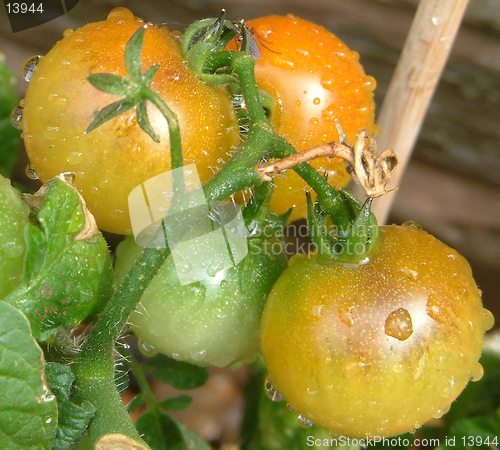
(212, 322)
(13, 217)
(380, 348)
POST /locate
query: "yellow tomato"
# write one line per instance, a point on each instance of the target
(375, 349)
(116, 157)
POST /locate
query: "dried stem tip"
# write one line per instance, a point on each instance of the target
(370, 170)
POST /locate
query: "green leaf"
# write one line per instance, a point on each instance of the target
(67, 270)
(150, 73)
(143, 120)
(110, 83)
(176, 403)
(478, 432)
(109, 112)
(135, 403)
(73, 419)
(192, 440)
(160, 432)
(133, 55)
(10, 137)
(178, 374)
(60, 379)
(28, 411)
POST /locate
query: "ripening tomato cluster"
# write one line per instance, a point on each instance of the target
(376, 348)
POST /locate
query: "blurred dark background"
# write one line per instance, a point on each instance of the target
(452, 186)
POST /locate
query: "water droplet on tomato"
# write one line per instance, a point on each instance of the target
(74, 158)
(30, 66)
(399, 325)
(488, 319)
(16, 117)
(30, 172)
(314, 121)
(121, 13)
(316, 101)
(412, 224)
(67, 33)
(370, 83)
(285, 63)
(413, 274)
(327, 83)
(477, 372)
(271, 392)
(345, 315)
(147, 349)
(304, 422)
(317, 310)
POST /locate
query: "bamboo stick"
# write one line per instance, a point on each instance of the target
(417, 74)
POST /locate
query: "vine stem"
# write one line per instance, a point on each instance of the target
(95, 367)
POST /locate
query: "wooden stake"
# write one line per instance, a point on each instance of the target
(414, 81)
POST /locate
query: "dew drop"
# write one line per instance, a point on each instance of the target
(67, 33)
(16, 117)
(327, 83)
(74, 158)
(271, 392)
(314, 121)
(477, 372)
(304, 422)
(30, 66)
(412, 224)
(399, 325)
(198, 355)
(48, 420)
(370, 83)
(317, 310)
(345, 315)
(488, 319)
(413, 274)
(30, 172)
(147, 349)
(316, 101)
(121, 13)
(452, 257)
(285, 63)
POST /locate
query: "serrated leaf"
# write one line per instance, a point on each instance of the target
(10, 137)
(133, 55)
(109, 112)
(73, 419)
(160, 432)
(143, 120)
(60, 379)
(176, 403)
(28, 410)
(110, 83)
(178, 374)
(67, 272)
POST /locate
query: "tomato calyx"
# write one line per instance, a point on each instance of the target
(136, 91)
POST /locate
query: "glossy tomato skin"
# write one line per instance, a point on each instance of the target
(14, 215)
(116, 157)
(209, 323)
(376, 349)
(314, 78)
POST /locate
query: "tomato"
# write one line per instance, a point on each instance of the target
(116, 157)
(14, 215)
(213, 322)
(375, 349)
(314, 79)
